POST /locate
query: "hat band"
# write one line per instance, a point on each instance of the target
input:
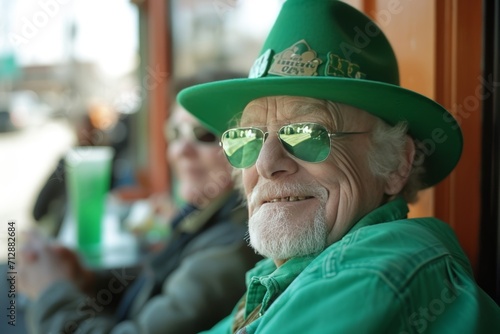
(301, 60)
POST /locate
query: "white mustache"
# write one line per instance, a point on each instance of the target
(264, 192)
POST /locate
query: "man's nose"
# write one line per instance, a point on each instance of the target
(186, 147)
(273, 160)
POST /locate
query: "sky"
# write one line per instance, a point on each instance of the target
(38, 32)
(105, 32)
(248, 10)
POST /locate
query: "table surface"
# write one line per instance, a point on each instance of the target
(119, 247)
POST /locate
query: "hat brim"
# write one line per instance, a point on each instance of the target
(215, 104)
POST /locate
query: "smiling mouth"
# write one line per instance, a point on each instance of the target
(289, 199)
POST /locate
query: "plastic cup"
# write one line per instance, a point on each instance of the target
(88, 175)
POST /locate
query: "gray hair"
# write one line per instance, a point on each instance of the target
(388, 153)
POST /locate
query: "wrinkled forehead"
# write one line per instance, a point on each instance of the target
(279, 110)
(282, 109)
(179, 115)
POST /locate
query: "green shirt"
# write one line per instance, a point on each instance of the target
(388, 274)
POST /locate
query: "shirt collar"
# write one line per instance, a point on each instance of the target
(393, 210)
(266, 282)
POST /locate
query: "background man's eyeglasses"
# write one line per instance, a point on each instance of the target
(195, 133)
(309, 142)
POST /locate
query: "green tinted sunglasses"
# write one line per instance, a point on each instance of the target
(309, 142)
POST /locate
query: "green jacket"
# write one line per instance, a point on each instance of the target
(389, 274)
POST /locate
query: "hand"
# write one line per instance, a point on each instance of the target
(42, 263)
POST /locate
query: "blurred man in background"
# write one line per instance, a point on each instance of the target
(186, 287)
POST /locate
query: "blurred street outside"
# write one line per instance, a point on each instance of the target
(27, 157)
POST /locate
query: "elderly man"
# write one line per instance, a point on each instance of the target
(330, 151)
(185, 287)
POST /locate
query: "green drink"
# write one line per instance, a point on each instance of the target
(88, 172)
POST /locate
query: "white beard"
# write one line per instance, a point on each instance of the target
(274, 233)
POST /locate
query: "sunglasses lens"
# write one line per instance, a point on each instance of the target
(242, 146)
(307, 141)
(204, 136)
(172, 134)
(195, 133)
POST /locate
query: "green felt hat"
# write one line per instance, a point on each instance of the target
(329, 50)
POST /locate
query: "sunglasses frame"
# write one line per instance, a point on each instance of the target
(265, 135)
(192, 135)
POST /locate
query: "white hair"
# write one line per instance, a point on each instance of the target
(388, 153)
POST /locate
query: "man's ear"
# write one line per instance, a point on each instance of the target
(398, 178)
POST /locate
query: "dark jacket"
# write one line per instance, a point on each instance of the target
(186, 288)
